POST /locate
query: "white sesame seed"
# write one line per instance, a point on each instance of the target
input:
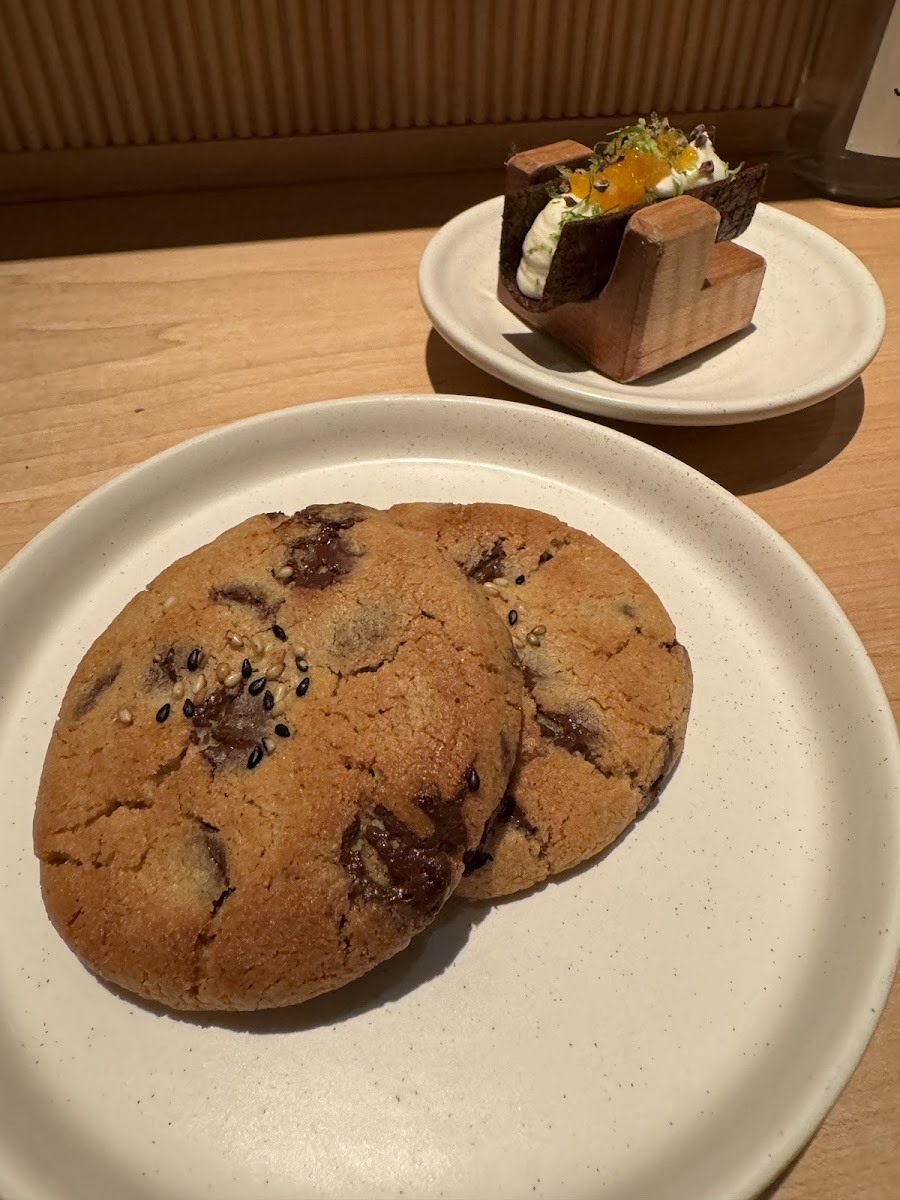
(177, 690)
(268, 744)
(275, 671)
(198, 685)
(539, 630)
(277, 709)
(234, 640)
(125, 716)
(233, 679)
(533, 640)
(491, 589)
(501, 581)
(222, 670)
(284, 572)
(167, 604)
(258, 644)
(280, 691)
(300, 651)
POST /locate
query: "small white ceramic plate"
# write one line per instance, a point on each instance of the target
(671, 1022)
(818, 323)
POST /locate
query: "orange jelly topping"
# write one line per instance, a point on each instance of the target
(631, 177)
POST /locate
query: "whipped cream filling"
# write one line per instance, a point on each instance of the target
(677, 182)
(541, 241)
(542, 238)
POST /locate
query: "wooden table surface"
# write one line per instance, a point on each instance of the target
(130, 324)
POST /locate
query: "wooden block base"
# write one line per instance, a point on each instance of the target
(674, 289)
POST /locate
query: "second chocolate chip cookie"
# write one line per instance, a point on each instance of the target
(607, 687)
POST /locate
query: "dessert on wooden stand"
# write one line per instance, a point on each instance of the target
(625, 255)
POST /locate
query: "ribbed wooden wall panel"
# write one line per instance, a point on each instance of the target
(89, 73)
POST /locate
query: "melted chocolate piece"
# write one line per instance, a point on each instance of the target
(215, 859)
(243, 593)
(473, 859)
(341, 516)
(507, 813)
(95, 690)
(418, 870)
(567, 731)
(670, 761)
(228, 725)
(321, 557)
(629, 610)
(490, 565)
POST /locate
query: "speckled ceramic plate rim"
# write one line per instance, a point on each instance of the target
(126, 494)
(633, 403)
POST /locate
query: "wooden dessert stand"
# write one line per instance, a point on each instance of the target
(674, 289)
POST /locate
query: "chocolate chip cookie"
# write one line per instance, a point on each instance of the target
(607, 687)
(267, 772)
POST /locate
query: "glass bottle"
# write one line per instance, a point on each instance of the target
(844, 136)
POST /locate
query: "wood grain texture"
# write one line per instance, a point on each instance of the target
(111, 357)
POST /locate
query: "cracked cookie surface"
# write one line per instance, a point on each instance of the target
(267, 772)
(607, 687)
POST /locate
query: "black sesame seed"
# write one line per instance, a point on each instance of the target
(302, 664)
(282, 730)
(188, 708)
(520, 579)
(303, 686)
(255, 757)
(279, 633)
(257, 686)
(163, 714)
(473, 780)
(268, 701)
(193, 659)
(512, 616)
(246, 668)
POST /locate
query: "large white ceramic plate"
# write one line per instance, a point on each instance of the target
(818, 323)
(670, 1023)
